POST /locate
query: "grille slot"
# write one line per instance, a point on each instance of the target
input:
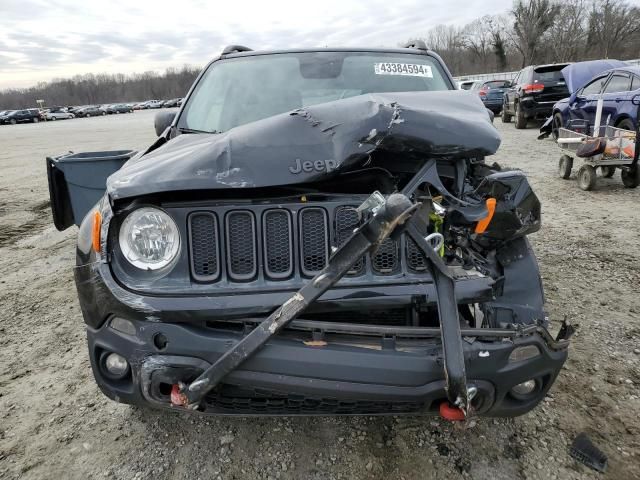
(415, 258)
(241, 245)
(313, 240)
(346, 220)
(385, 261)
(278, 243)
(203, 227)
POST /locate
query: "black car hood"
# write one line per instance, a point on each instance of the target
(315, 143)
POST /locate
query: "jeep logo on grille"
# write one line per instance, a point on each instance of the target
(309, 166)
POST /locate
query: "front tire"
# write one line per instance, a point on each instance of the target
(53, 119)
(504, 116)
(13, 121)
(87, 115)
(556, 125)
(587, 177)
(626, 124)
(35, 120)
(521, 121)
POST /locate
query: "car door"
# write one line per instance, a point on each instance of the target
(583, 108)
(615, 94)
(510, 93)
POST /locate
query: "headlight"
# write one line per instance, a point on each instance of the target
(149, 238)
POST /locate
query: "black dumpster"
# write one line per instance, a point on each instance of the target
(77, 181)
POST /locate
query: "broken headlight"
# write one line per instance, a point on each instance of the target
(149, 238)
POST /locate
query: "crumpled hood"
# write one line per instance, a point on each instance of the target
(576, 75)
(314, 143)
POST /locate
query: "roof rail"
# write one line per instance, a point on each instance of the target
(418, 44)
(235, 49)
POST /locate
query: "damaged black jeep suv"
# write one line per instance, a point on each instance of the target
(314, 232)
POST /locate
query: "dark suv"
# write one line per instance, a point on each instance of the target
(311, 234)
(533, 93)
(22, 116)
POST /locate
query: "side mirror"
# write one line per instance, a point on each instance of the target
(163, 120)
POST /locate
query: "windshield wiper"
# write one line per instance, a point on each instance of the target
(193, 130)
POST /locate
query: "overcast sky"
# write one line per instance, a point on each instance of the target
(45, 39)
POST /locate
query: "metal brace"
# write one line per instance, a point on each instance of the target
(383, 218)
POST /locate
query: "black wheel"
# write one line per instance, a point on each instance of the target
(87, 115)
(521, 121)
(607, 171)
(53, 119)
(13, 121)
(564, 166)
(587, 177)
(104, 113)
(630, 180)
(556, 125)
(626, 124)
(35, 120)
(505, 117)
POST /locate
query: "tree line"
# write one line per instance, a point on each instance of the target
(92, 89)
(539, 31)
(533, 31)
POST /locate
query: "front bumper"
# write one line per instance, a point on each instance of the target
(368, 373)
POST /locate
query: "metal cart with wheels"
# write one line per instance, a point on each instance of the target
(621, 152)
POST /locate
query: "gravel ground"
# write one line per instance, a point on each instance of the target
(54, 422)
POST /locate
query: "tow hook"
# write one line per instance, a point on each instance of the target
(178, 398)
(458, 413)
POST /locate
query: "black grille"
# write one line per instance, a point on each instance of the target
(204, 246)
(278, 243)
(385, 261)
(415, 258)
(313, 240)
(233, 399)
(345, 222)
(241, 245)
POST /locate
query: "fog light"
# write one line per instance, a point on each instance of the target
(116, 365)
(524, 353)
(524, 388)
(122, 325)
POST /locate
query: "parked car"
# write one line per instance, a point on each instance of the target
(491, 93)
(119, 108)
(22, 116)
(250, 217)
(151, 104)
(90, 111)
(533, 93)
(466, 84)
(617, 88)
(171, 103)
(58, 115)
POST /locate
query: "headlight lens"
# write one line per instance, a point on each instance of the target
(149, 238)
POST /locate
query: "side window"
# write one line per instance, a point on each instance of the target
(618, 83)
(594, 87)
(635, 82)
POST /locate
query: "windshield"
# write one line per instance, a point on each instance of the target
(240, 90)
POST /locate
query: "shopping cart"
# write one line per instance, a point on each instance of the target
(618, 151)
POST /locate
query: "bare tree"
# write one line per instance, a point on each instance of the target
(532, 20)
(568, 34)
(612, 23)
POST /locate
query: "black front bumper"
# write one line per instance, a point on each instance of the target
(310, 368)
(294, 374)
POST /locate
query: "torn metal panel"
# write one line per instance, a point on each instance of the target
(315, 143)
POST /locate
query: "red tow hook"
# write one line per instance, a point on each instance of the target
(448, 412)
(178, 399)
